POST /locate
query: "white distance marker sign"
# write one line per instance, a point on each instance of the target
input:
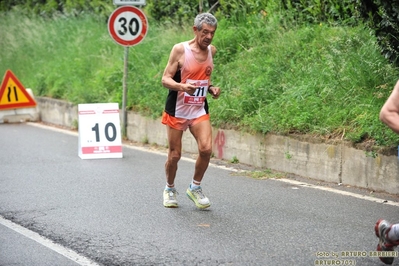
(99, 131)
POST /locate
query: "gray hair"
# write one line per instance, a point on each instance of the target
(206, 18)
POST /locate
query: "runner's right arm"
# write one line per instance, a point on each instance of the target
(389, 114)
(174, 64)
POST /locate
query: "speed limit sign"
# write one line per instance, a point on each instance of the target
(127, 25)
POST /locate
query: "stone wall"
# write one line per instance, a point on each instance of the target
(338, 163)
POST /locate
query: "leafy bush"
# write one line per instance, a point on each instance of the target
(48, 8)
(61, 59)
(382, 16)
(316, 11)
(275, 76)
(175, 11)
(330, 81)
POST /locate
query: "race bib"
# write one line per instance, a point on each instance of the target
(199, 96)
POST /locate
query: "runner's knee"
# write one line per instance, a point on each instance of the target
(174, 156)
(205, 151)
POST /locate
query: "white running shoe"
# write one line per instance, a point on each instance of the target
(198, 197)
(169, 198)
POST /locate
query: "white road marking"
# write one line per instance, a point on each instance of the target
(294, 182)
(338, 191)
(68, 253)
(84, 261)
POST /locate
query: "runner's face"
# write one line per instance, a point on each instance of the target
(205, 35)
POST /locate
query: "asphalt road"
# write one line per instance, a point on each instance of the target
(57, 209)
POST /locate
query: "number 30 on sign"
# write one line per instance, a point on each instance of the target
(99, 131)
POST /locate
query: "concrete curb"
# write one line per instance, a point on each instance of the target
(338, 163)
(20, 114)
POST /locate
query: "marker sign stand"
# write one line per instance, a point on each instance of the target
(99, 131)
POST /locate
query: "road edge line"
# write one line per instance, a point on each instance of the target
(298, 183)
(66, 252)
(337, 191)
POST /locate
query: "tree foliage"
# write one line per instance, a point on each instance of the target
(381, 15)
(177, 11)
(318, 11)
(50, 7)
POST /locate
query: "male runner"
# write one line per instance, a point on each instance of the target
(188, 77)
(386, 232)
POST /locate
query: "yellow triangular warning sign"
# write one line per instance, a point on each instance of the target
(13, 94)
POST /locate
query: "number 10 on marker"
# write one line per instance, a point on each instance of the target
(99, 131)
(109, 136)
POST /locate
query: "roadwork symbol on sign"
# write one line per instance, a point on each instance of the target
(99, 131)
(13, 94)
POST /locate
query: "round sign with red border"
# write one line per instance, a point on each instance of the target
(127, 25)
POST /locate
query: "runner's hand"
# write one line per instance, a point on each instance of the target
(190, 88)
(214, 91)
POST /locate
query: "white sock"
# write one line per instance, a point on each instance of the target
(195, 184)
(169, 186)
(393, 234)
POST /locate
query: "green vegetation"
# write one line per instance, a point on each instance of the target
(234, 160)
(266, 174)
(316, 79)
(321, 79)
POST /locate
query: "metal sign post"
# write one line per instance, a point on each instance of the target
(124, 96)
(128, 26)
